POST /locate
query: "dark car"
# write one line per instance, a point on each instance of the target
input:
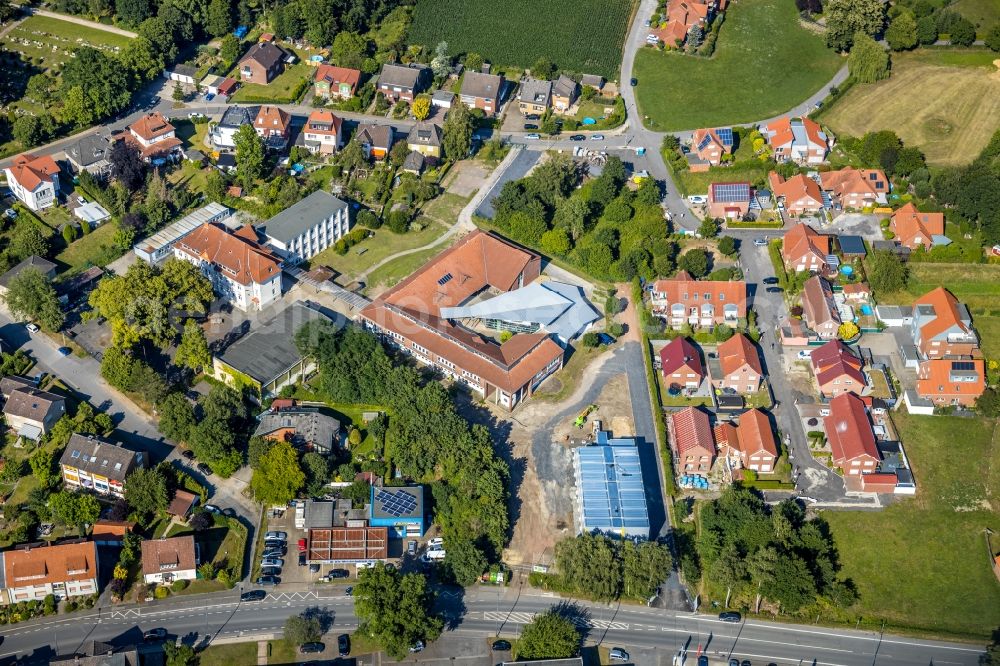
(734, 662)
(774, 290)
(530, 126)
(339, 573)
(634, 81)
(605, 339)
(229, 512)
(64, 351)
(702, 660)
(577, 137)
(302, 559)
(313, 568)
(745, 662)
(155, 634)
(532, 116)
(349, 592)
(273, 552)
(253, 595)
(500, 646)
(344, 645)
(270, 571)
(188, 454)
(268, 580)
(204, 469)
(730, 616)
(770, 280)
(311, 648)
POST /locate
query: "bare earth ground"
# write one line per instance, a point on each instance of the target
(466, 178)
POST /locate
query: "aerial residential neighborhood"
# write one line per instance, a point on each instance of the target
(436, 332)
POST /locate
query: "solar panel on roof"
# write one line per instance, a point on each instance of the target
(731, 192)
(725, 135)
(445, 279)
(963, 365)
(704, 141)
(396, 503)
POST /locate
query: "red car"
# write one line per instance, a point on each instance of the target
(302, 545)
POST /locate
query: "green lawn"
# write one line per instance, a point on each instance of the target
(921, 564)
(693, 182)
(397, 269)
(984, 13)
(94, 249)
(279, 652)
(51, 40)
(282, 90)
(381, 245)
(445, 208)
(190, 175)
(765, 63)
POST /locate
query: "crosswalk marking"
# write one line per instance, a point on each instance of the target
(519, 617)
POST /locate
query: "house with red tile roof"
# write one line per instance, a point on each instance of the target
(336, 82)
(34, 180)
(952, 381)
(798, 195)
(856, 188)
(272, 125)
(748, 442)
(736, 365)
(849, 432)
(241, 270)
(837, 370)
(943, 327)
(167, 560)
(154, 137)
(683, 15)
(692, 441)
(683, 300)
(730, 201)
(709, 146)
(819, 310)
(681, 363)
(65, 570)
(322, 132)
(410, 316)
(803, 249)
(915, 229)
(798, 140)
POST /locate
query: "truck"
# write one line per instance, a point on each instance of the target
(582, 418)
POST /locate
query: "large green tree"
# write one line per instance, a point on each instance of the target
(846, 18)
(101, 77)
(887, 274)
(457, 132)
(550, 635)
(902, 32)
(193, 352)
(644, 568)
(279, 477)
(27, 240)
(395, 609)
(146, 491)
(220, 18)
(868, 61)
(464, 561)
(303, 628)
(31, 295)
(249, 155)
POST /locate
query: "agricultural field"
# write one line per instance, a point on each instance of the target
(951, 126)
(519, 32)
(765, 63)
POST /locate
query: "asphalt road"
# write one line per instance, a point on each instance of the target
(198, 620)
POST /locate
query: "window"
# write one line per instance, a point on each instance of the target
(708, 296)
(722, 296)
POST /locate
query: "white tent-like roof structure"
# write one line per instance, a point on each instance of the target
(559, 308)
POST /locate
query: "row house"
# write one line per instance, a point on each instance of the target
(64, 570)
(92, 463)
(683, 300)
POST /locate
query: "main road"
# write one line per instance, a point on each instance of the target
(199, 620)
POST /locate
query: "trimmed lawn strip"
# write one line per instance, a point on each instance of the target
(921, 563)
(397, 269)
(94, 249)
(381, 244)
(738, 84)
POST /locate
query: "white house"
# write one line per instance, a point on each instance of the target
(321, 133)
(222, 134)
(181, 74)
(167, 560)
(34, 180)
(30, 573)
(307, 228)
(155, 138)
(242, 271)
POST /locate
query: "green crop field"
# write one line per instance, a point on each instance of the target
(577, 35)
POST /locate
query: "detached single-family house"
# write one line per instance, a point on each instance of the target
(837, 370)
(819, 310)
(594, 81)
(709, 146)
(728, 200)
(90, 154)
(803, 249)
(748, 443)
(855, 188)
(375, 140)
(29, 411)
(798, 195)
(736, 365)
(534, 96)
(336, 82)
(64, 570)
(691, 437)
(849, 432)
(682, 299)
(167, 560)
(798, 140)
(306, 428)
(915, 229)
(34, 180)
(680, 363)
(261, 63)
(564, 93)
(403, 82)
(481, 91)
(272, 124)
(222, 134)
(308, 227)
(95, 464)
(948, 381)
(942, 326)
(414, 163)
(154, 137)
(321, 133)
(425, 138)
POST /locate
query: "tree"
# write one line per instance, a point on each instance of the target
(708, 228)
(219, 21)
(988, 404)
(543, 69)
(317, 471)
(846, 18)
(303, 628)
(127, 166)
(249, 155)
(992, 39)
(868, 62)
(41, 462)
(474, 62)
(146, 491)
(694, 262)
(927, 30)
(727, 246)
(176, 417)
(963, 32)
(555, 242)
(464, 561)
(102, 79)
(178, 94)
(549, 635)
(279, 477)
(27, 240)
(886, 273)
(421, 108)
(132, 12)
(141, 60)
(349, 49)
(394, 609)
(7, 11)
(182, 655)
(74, 509)
(902, 32)
(230, 48)
(31, 295)
(441, 62)
(193, 350)
(27, 130)
(457, 132)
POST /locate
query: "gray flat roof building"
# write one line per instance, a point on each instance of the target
(161, 244)
(302, 216)
(610, 495)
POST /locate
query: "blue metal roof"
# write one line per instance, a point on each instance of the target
(611, 495)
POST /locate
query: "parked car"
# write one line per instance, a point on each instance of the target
(31, 328)
(532, 116)
(188, 454)
(770, 280)
(64, 351)
(211, 508)
(436, 542)
(229, 512)
(270, 571)
(530, 126)
(253, 595)
(339, 573)
(312, 648)
(274, 545)
(698, 199)
(204, 469)
(533, 136)
(411, 548)
(302, 545)
(634, 81)
(805, 354)
(774, 290)
(730, 616)
(155, 634)
(272, 562)
(313, 568)
(618, 654)
(344, 645)
(605, 339)
(268, 580)
(302, 559)
(577, 137)
(500, 646)
(597, 137)
(417, 647)
(276, 535)
(760, 242)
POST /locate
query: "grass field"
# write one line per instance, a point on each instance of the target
(984, 13)
(282, 90)
(765, 63)
(589, 37)
(94, 249)
(49, 41)
(279, 652)
(387, 276)
(951, 127)
(922, 563)
(383, 244)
